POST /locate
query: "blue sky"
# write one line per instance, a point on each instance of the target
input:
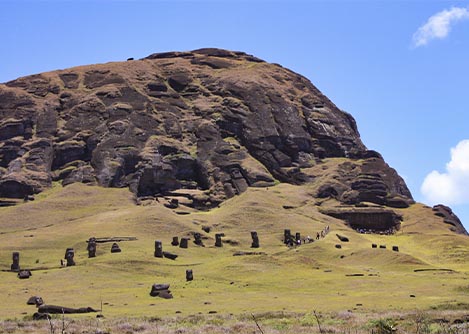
(399, 67)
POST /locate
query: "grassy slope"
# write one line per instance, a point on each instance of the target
(312, 276)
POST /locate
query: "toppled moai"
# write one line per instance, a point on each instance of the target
(255, 240)
(161, 290)
(198, 239)
(170, 256)
(158, 248)
(374, 246)
(218, 241)
(91, 248)
(15, 266)
(115, 248)
(189, 275)
(184, 243)
(175, 241)
(69, 255)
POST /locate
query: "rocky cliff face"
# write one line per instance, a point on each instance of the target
(207, 124)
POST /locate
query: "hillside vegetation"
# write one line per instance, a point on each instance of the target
(313, 276)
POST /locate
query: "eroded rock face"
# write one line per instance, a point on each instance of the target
(210, 120)
(449, 218)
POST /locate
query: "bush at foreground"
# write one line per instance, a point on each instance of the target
(432, 322)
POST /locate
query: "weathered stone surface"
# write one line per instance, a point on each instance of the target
(164, 125)
(449, 218)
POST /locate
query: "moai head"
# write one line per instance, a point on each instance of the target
(115, 248)
(184, 243)
(189, 275)
(286, 236)
(255, 240)
(91, 249)
(218, 242)
(158, 248)
(198, 239)
(91, 240)
(15, 266)
(175, 241)
(69, 255)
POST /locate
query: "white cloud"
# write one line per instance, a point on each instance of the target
(452, 186)
(439, 25)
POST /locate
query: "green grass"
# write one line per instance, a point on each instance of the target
(314, 276)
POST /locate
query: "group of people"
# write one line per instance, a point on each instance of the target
(388, 231)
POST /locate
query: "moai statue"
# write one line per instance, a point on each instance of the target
(374, 246)
(198, 239)
(173, 204)
(15, 266)
(286, 236)
(115, 248)
(184, 243)
(69, 255)
(255, 240)
(91, 247)
(175, 241)
(218, 242)
(158, 249)
(395, 248)
(189, 275)
(298, 238)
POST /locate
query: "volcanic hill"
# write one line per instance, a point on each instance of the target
(211, 139)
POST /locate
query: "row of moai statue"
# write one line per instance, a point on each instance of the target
(184, 243)
(91, 248)
(394, 248)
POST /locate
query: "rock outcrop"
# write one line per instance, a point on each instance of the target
(206, 124)
(212, 120)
